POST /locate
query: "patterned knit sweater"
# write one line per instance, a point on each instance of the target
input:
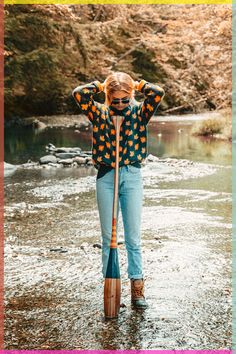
(133, 131)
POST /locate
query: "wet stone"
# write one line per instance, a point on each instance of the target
(79, 160)
(60, 250)
(67, 150)
(66, 161)
(66, 155)
(47, 159)
(89, 163)
(97, 245)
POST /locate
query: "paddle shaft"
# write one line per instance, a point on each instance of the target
(117, 122)
(112, 285)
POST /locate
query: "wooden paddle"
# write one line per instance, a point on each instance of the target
(112, 285)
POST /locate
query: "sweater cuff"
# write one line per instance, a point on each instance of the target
(98, 85)
(141, 85)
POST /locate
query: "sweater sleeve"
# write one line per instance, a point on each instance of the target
(153, 96)
(83, 96)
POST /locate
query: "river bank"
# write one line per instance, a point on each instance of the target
(216, 124)
(71, 120)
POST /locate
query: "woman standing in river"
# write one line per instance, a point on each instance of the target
(119, 92)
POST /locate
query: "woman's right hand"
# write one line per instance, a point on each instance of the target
(136, 83)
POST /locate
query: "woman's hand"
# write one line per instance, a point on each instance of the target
(136, 83)
(103, 85)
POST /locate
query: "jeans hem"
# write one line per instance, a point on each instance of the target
(136, 276)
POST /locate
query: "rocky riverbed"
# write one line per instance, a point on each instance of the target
(53, 282)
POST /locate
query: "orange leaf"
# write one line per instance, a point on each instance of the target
(78, 97)
(84, 107)
(157, 98)
(143, 139)
(142, 128)
(149, 107)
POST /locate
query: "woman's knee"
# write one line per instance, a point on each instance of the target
(133, 245)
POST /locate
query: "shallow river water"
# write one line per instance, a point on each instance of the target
(53, 282)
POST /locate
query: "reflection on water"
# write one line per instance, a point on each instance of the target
(174, 139)
(129, 326)
(166, 139)
(24, 143)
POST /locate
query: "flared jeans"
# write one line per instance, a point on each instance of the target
(130, 203)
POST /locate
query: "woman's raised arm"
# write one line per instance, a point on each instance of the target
(153, 96)
(83, 96)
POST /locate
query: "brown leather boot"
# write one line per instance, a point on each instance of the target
(137, 294)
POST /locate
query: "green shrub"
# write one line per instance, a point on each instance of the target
(208, 127)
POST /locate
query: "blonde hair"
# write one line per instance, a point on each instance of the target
(118, 81)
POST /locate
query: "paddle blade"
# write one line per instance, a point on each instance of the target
(112, 287)
(112, 290)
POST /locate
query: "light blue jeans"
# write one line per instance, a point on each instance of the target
(130, 203)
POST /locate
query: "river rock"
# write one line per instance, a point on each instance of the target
(80, 160)
(75, 149)
(29, 164)
(47, 159)
(152, 158)
(39, 125)
(97, 245)
(57, 165)
(66, 162)
(68, 150)
(9, 169)
(89, 162)
(50, 147)
(84, 155)
(9, 166)
(60, 250)
(66, 155)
